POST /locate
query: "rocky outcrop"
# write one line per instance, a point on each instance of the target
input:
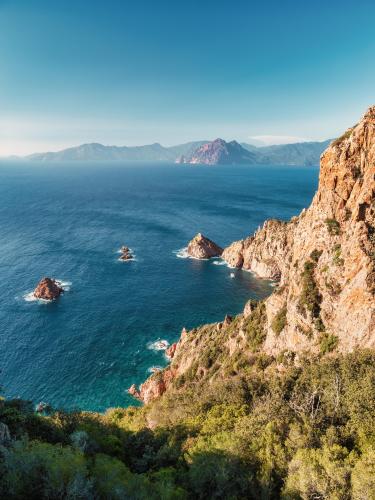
(324, 262)
(170, 352)
(125, 253)
(324, 258)
(48, 289)
(201, 247)
(133, 391)
(220, 152)
(264, 253)
(156, 385)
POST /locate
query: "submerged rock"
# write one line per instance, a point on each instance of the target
(48, 289)
(201, 247)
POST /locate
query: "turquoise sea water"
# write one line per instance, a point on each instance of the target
(69, 220)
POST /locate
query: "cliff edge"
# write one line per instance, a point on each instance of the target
(324, 263)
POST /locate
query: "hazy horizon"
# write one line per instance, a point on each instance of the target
(134, 74)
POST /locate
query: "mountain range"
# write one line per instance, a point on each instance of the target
(206, 152)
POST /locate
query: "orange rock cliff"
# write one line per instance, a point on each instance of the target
(323, 260)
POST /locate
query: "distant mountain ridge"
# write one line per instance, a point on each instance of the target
(95, 151)
(195, 152)
(299, 153)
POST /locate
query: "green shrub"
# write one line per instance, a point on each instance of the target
(342, 138)
(328, 342)
(337, 259)
(254, 326)
(319, 325)
(310, 298)
(315, 255)
(279, 321)
(333, 226)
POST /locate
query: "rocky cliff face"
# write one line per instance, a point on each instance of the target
(324, 261)
(220, 152)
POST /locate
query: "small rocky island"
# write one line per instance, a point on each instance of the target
(125, 253)
(201, 247)
(48, 289)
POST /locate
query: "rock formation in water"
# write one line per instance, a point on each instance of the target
(324, 262)
(201, 247)
(48, 289)
(125, 253)
(220, 152)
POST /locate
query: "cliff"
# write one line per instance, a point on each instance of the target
(324, 262)
(324, 259)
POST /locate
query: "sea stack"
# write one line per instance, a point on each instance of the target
(125, 253)
(201, 247)
(48, 289)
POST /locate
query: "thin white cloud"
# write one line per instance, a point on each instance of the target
(268, 140)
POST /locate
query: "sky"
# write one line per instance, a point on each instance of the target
(145, 71)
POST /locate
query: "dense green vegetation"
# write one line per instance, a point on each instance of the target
(302, 430)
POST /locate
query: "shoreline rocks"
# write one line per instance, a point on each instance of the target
(201, 247)
(133, 391)
(171, 350)
(48, 289)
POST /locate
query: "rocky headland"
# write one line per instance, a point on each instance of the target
(324, 263)
(48, 289)
(201, 247)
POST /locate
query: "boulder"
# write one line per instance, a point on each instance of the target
(48, 289)
(201, 247)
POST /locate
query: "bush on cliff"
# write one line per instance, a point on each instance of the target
(304, 431)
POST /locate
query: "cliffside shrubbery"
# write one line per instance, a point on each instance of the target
(300, 432)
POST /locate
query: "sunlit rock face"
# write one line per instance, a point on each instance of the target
(330, 247)
(201, 247)
(48, 289)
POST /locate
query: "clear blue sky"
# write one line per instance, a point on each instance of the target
(141, 71)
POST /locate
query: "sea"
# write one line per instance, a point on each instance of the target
(69, 220)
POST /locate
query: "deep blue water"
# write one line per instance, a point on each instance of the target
(68, 220)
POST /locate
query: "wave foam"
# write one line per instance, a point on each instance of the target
(128, 260)
(219, 262)
(154, 369)
(182, 253)
(65, 285)
(158, 345)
